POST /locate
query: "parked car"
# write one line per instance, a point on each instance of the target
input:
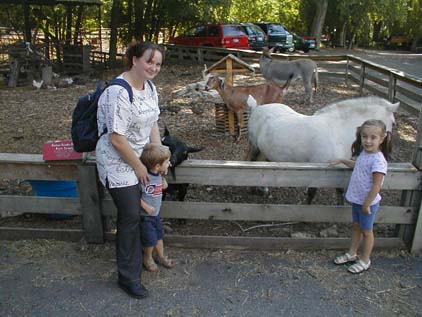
(303, 43)
(215, 35)
(257, 37)
(277, 36)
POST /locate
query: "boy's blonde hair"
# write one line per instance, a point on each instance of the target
(154, 154)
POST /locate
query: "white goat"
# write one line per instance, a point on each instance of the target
(280, 71)
(236, 97)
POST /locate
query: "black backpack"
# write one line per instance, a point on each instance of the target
(84, 129)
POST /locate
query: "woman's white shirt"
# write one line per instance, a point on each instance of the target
(134, 121)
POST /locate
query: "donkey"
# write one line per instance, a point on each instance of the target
(281, 71)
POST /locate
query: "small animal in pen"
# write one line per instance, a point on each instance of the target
(236, 97)
(179, 153)
(281, 71)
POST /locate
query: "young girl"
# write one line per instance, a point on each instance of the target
(371, 149)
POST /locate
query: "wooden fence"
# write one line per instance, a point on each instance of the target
(93, 206)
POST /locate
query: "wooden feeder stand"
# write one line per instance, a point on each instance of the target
(230, 66)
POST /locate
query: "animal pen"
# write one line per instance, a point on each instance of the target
(94, 204)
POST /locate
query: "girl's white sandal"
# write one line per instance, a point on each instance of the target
(359, 267)
(345, 258)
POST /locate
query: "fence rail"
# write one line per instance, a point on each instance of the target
(93, 207)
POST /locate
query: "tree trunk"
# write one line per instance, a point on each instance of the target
(69, 16)
(365, 41)
(27, 13)
(147, 18)
(114, 22)
(130, 30)
(139, 17)
(78, 25)
(377, 31)
(156, 21)
(319, 20)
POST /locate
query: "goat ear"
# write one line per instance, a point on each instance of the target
(194, 149)
(166, 131)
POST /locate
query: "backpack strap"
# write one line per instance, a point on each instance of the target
(124, 84)
(151, 85)
(127, 86)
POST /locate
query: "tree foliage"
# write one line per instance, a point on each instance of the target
(349, 22)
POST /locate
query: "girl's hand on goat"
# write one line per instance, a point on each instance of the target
(334, 162)
(348, 163)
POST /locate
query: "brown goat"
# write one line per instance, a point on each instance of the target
(236, 97)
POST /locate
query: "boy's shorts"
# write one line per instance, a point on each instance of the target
(366, 221)
(151, 231)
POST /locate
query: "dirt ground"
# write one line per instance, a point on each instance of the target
(44, 277)
(51, 278)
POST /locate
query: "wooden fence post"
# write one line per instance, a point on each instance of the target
(200, 56)
(416, 246)
(411, 234)
(230, 80)
(90, 204)
(392, 87)
(362, 78)
(346, 79)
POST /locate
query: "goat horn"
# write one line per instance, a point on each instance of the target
(204, 71)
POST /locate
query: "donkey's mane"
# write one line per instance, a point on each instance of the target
(363, 102)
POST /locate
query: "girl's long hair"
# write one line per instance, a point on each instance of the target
(386, 145)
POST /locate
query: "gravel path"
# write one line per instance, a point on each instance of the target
(49, 278)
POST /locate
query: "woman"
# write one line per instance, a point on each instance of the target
(129, 127)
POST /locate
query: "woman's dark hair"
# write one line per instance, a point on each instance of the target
(138, 49)
(386, 145)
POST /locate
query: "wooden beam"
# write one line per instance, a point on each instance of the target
(40, 205)
(270, 212)
(270, 244)
(286, 174)
(416, 245)
(206, 242)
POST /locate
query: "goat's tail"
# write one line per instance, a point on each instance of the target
(251, 102)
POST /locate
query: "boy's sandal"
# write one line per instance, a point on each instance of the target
(151, 266)
(359, 267)
(345, 258)
(166, 262)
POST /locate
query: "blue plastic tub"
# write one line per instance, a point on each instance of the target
(55, 189)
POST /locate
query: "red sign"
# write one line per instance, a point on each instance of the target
(60, 151)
